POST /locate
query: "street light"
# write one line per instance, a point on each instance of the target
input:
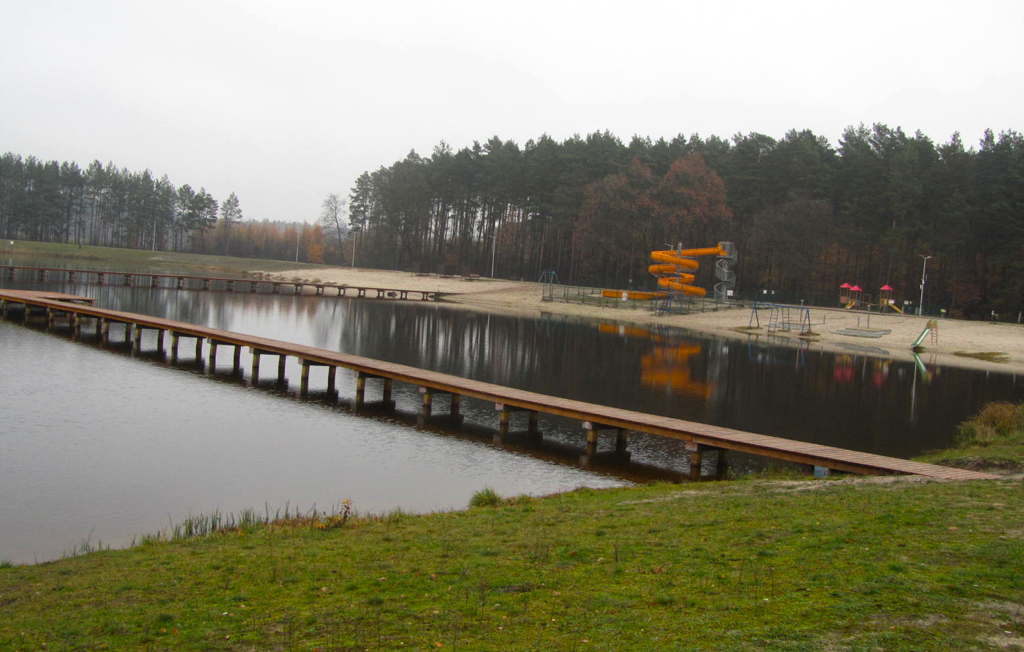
(924, 277)
(494, 246)
(355, 231)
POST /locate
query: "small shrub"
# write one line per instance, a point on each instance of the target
(6, 563)
(486, 497)
(996, 421)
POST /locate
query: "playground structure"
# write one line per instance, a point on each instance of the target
(852, 297)
(781, 317)
(674, 269)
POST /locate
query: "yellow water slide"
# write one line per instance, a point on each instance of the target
(674, 267)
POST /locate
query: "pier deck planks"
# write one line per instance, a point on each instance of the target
(776, 447)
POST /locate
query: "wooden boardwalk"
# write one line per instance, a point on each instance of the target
(699, 437)
(184, 281)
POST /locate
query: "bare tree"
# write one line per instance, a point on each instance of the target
(333, 218)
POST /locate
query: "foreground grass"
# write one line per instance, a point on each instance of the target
(115, 259)
(806, 565)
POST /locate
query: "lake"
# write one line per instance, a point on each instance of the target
(101, 445)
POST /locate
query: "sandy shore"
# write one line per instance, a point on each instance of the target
(957, 340)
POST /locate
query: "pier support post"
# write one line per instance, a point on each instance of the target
(505, 420)
(281, 360)
(304, 385)
(127, 332)
(104, 327)
(697, 452)
(722, 465)
(620, 441)
(593, 430)
(428, 405)
(138, 339)
(213, 354)
(160, 340)
(174, 347)
(236, 362)
(361, 377)
(360, 389)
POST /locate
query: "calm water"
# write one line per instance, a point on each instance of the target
(102, 444)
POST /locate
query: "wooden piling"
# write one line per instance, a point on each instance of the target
(593, 430)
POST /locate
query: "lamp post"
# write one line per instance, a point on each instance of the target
(355, 231)
(494, 246)
(924, 277)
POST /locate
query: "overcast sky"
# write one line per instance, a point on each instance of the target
(284, 103)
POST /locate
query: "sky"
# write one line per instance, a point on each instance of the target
(285, 103)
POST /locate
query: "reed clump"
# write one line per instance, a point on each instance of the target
(997, 422)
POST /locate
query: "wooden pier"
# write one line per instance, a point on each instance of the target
(699, 438)
(186, 282)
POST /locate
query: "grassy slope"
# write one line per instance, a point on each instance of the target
(118, 258)
(730, 566)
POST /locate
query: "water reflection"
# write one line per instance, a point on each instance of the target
(768, 385)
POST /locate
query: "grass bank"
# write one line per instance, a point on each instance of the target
(993, 440)
(804, 565)
(115, 259)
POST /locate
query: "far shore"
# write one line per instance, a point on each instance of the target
(972, 344)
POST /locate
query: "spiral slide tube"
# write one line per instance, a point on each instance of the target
(674, 267)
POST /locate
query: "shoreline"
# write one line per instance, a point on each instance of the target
(959, 344)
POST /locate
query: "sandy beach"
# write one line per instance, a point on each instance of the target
(974, 344)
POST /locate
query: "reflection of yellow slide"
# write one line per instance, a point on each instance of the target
(853, 302)
(673, 270)
(668, 365)
(894, 307)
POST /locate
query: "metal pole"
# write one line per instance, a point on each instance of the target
(494, 246)
(924, 276)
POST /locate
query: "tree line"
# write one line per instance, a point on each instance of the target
(104, 205)
(805, 216)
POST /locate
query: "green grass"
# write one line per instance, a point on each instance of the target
(133, 258)
(716, 566)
